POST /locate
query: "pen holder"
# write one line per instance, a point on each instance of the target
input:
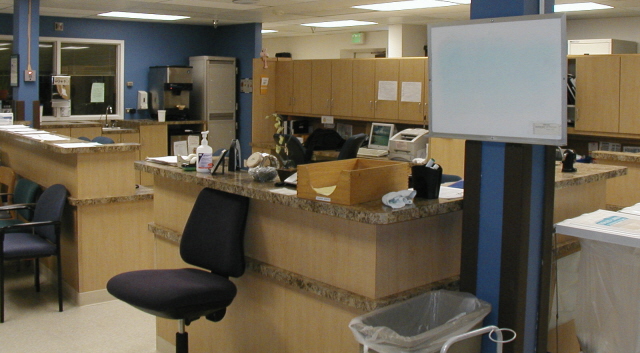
(426, 181)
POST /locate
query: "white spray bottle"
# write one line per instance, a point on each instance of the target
(205, 153)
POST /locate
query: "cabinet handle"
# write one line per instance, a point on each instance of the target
(375, 105)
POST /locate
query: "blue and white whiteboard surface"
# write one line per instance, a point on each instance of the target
(501, 79)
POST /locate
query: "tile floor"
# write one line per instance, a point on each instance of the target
(33, 323)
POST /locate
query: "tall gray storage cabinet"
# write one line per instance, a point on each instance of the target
(213, 97)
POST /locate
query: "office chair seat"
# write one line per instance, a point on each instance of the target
(187, 293)
(103, 140)
(213, 240)
(22, 245)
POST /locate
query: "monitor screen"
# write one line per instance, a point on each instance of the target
(380, 135)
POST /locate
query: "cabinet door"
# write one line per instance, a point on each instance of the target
(284, 86)
(302, 86)
(598, 93)
(321, 87)
(425, 105)
(341, 87)
(364, 82)
(411, 81)
(386, 102)
(630, 94)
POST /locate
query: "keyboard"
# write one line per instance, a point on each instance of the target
(370, 152)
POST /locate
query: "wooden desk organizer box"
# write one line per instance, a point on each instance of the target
(356, 180)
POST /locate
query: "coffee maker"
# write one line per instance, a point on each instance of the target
(169, 88)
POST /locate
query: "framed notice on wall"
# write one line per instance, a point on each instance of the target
(502, 79)
(13, 72)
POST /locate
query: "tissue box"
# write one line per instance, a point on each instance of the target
(351, 181)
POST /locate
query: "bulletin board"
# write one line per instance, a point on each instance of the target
(502, 79)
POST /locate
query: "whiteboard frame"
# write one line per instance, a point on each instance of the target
(449, 60)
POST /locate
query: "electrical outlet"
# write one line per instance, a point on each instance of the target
(29, 75)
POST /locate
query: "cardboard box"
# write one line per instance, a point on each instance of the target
(351, 181)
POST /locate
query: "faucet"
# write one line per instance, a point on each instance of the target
(108, 111)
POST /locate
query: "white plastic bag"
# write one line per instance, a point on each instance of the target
(608, 301)
(420, 324)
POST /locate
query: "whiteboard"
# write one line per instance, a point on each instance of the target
(501, 79)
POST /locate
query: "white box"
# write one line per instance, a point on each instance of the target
(6, 118)
(601, 46)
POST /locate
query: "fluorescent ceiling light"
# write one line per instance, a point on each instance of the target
(410, 5)
(581, 6)
(4, 48)
(45, 45)
(268, 31)
(346, 23)
(142, 16)
(74, 48)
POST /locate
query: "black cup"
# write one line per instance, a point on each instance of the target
(426, 181)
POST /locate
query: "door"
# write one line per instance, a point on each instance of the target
(387, 89)
(221, 87)
(321, 87)
(364, 81)
(341, 87)
(284, 86)
(630, 94)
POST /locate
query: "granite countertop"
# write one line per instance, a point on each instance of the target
(142, 193)
(53, 146)
(617, 156)
(587, 173)
(64, 124)
(241, 183)
(373, 212)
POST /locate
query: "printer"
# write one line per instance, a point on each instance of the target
(408, 144)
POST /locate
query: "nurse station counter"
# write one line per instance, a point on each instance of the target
(312, 266)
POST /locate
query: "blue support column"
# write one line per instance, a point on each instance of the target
(507, 224)
(26, 30)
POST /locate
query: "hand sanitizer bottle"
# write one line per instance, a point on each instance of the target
(205, 153)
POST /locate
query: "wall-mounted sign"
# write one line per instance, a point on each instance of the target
(14, 70)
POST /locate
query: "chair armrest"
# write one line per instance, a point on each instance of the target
(27, 225)
(17, 206)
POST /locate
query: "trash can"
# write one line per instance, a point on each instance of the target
(421, 324)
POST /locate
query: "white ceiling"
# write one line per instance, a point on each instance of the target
(286, 16)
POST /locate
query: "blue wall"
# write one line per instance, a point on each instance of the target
(152, 44)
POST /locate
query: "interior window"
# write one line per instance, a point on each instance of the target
(6, 48)
(92, 68)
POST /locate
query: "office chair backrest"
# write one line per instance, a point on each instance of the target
(26, 192)
(103, 140)
(49, 208)
(213, 235)
(351, 146)
(294, 149)
(84, 138)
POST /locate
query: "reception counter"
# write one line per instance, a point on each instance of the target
(622, 192)
(313, 266)
(104, 230)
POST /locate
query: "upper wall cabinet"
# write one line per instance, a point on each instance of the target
(293, 89)
(413, 95)
(597, 93)
(630, 94)
(364, 91)
(321, 87)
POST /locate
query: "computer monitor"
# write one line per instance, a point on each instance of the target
(381, 135)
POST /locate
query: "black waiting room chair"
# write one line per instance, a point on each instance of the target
(295, 151)
(36, 239)
(212, 240)
(103, 140)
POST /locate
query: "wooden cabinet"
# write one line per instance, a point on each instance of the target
(630, 94)
(412, 81)
(598, 93)
(386, 78)
(293, 82)
(321, 83)
(342, 87)
(364, 91)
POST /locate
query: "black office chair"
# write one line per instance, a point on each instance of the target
(447, 178)
(84, 138)
(212, 239)
(351, 146)
(294, 150)
(36, 239)
(103, 140)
